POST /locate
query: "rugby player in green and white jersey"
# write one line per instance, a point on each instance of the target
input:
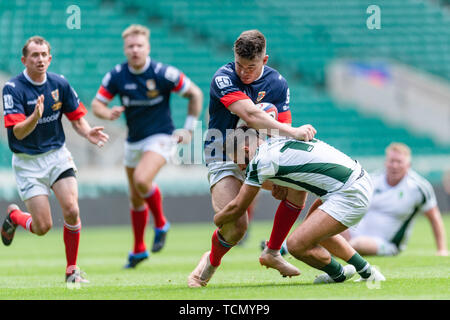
(399, 195)
(341, 183)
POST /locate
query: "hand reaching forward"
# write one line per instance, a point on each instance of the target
(97, 136)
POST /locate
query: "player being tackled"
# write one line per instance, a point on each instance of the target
(341, 183)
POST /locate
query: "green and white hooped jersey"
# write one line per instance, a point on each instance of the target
(312, 166)
(393, 208)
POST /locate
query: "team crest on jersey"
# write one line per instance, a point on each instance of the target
(58, 104)
(151, 86)
(261, 95)
(55, 95)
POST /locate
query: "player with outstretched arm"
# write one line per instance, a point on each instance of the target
(34, 103)
(234, 90)
(314, 166)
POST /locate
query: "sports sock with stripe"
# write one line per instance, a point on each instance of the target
(361, 265)
(219, 247)
(22, 219)
(335, 270)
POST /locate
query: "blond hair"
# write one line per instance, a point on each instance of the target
(136, 29)
(401, 148)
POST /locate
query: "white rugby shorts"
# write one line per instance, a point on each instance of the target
(219, 170)
(349, 205)
(35, 174)
(163, 144)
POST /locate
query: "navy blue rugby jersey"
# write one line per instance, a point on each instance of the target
(226, 88)
(19, 101)
(145, 96)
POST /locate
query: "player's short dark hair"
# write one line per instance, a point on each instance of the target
(37, 40)
(250, 44)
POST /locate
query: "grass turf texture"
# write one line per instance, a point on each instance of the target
(33, 268)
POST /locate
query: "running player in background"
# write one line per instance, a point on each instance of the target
(235, 88)
(34, 102)
(342, 184)
(399, 194)
(144, 86)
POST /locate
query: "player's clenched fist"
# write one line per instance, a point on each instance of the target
(116, 111)
(305, 132)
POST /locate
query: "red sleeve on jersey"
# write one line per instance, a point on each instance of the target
(233, 97)
(180, 83)
(13, 119)
(77, 114)
(105, 93)
(285, 117)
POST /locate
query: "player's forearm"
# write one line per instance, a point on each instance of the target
(260, 120)
(81, 126)
(23, 129)
(231, 212)
(100, 109)
(195, 104)
(437, 225)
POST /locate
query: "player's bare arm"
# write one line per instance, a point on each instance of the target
(238, 206)
(195, 97)
(94, 135)
(101, 110)
(258, 119)
(24, 128)
(435, 218)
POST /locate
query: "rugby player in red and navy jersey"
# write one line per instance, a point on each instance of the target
(34, 102)
(144, 87)
(235, 89)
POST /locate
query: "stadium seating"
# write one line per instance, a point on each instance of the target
(197, 36)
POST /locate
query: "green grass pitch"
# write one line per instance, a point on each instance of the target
(33, 268)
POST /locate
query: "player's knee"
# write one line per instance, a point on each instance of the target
(142, 186)
(71, 212)
(40, 228)
(295, 247)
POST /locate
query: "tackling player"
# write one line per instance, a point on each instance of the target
(144, 86)
(234, 90)
(34, 103)
(399, 195)
(342, 184)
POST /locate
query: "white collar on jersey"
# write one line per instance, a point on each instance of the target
(134, 71)
(34, 82)
(262, 71)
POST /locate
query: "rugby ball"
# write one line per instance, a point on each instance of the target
(267, 107)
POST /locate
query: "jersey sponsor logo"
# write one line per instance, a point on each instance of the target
(48, 119)
(172, 74)
(32, 102)
(261, 95)
(8, 102)
(223, 82)
(57, 106)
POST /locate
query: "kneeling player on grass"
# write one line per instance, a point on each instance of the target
(314, 166)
